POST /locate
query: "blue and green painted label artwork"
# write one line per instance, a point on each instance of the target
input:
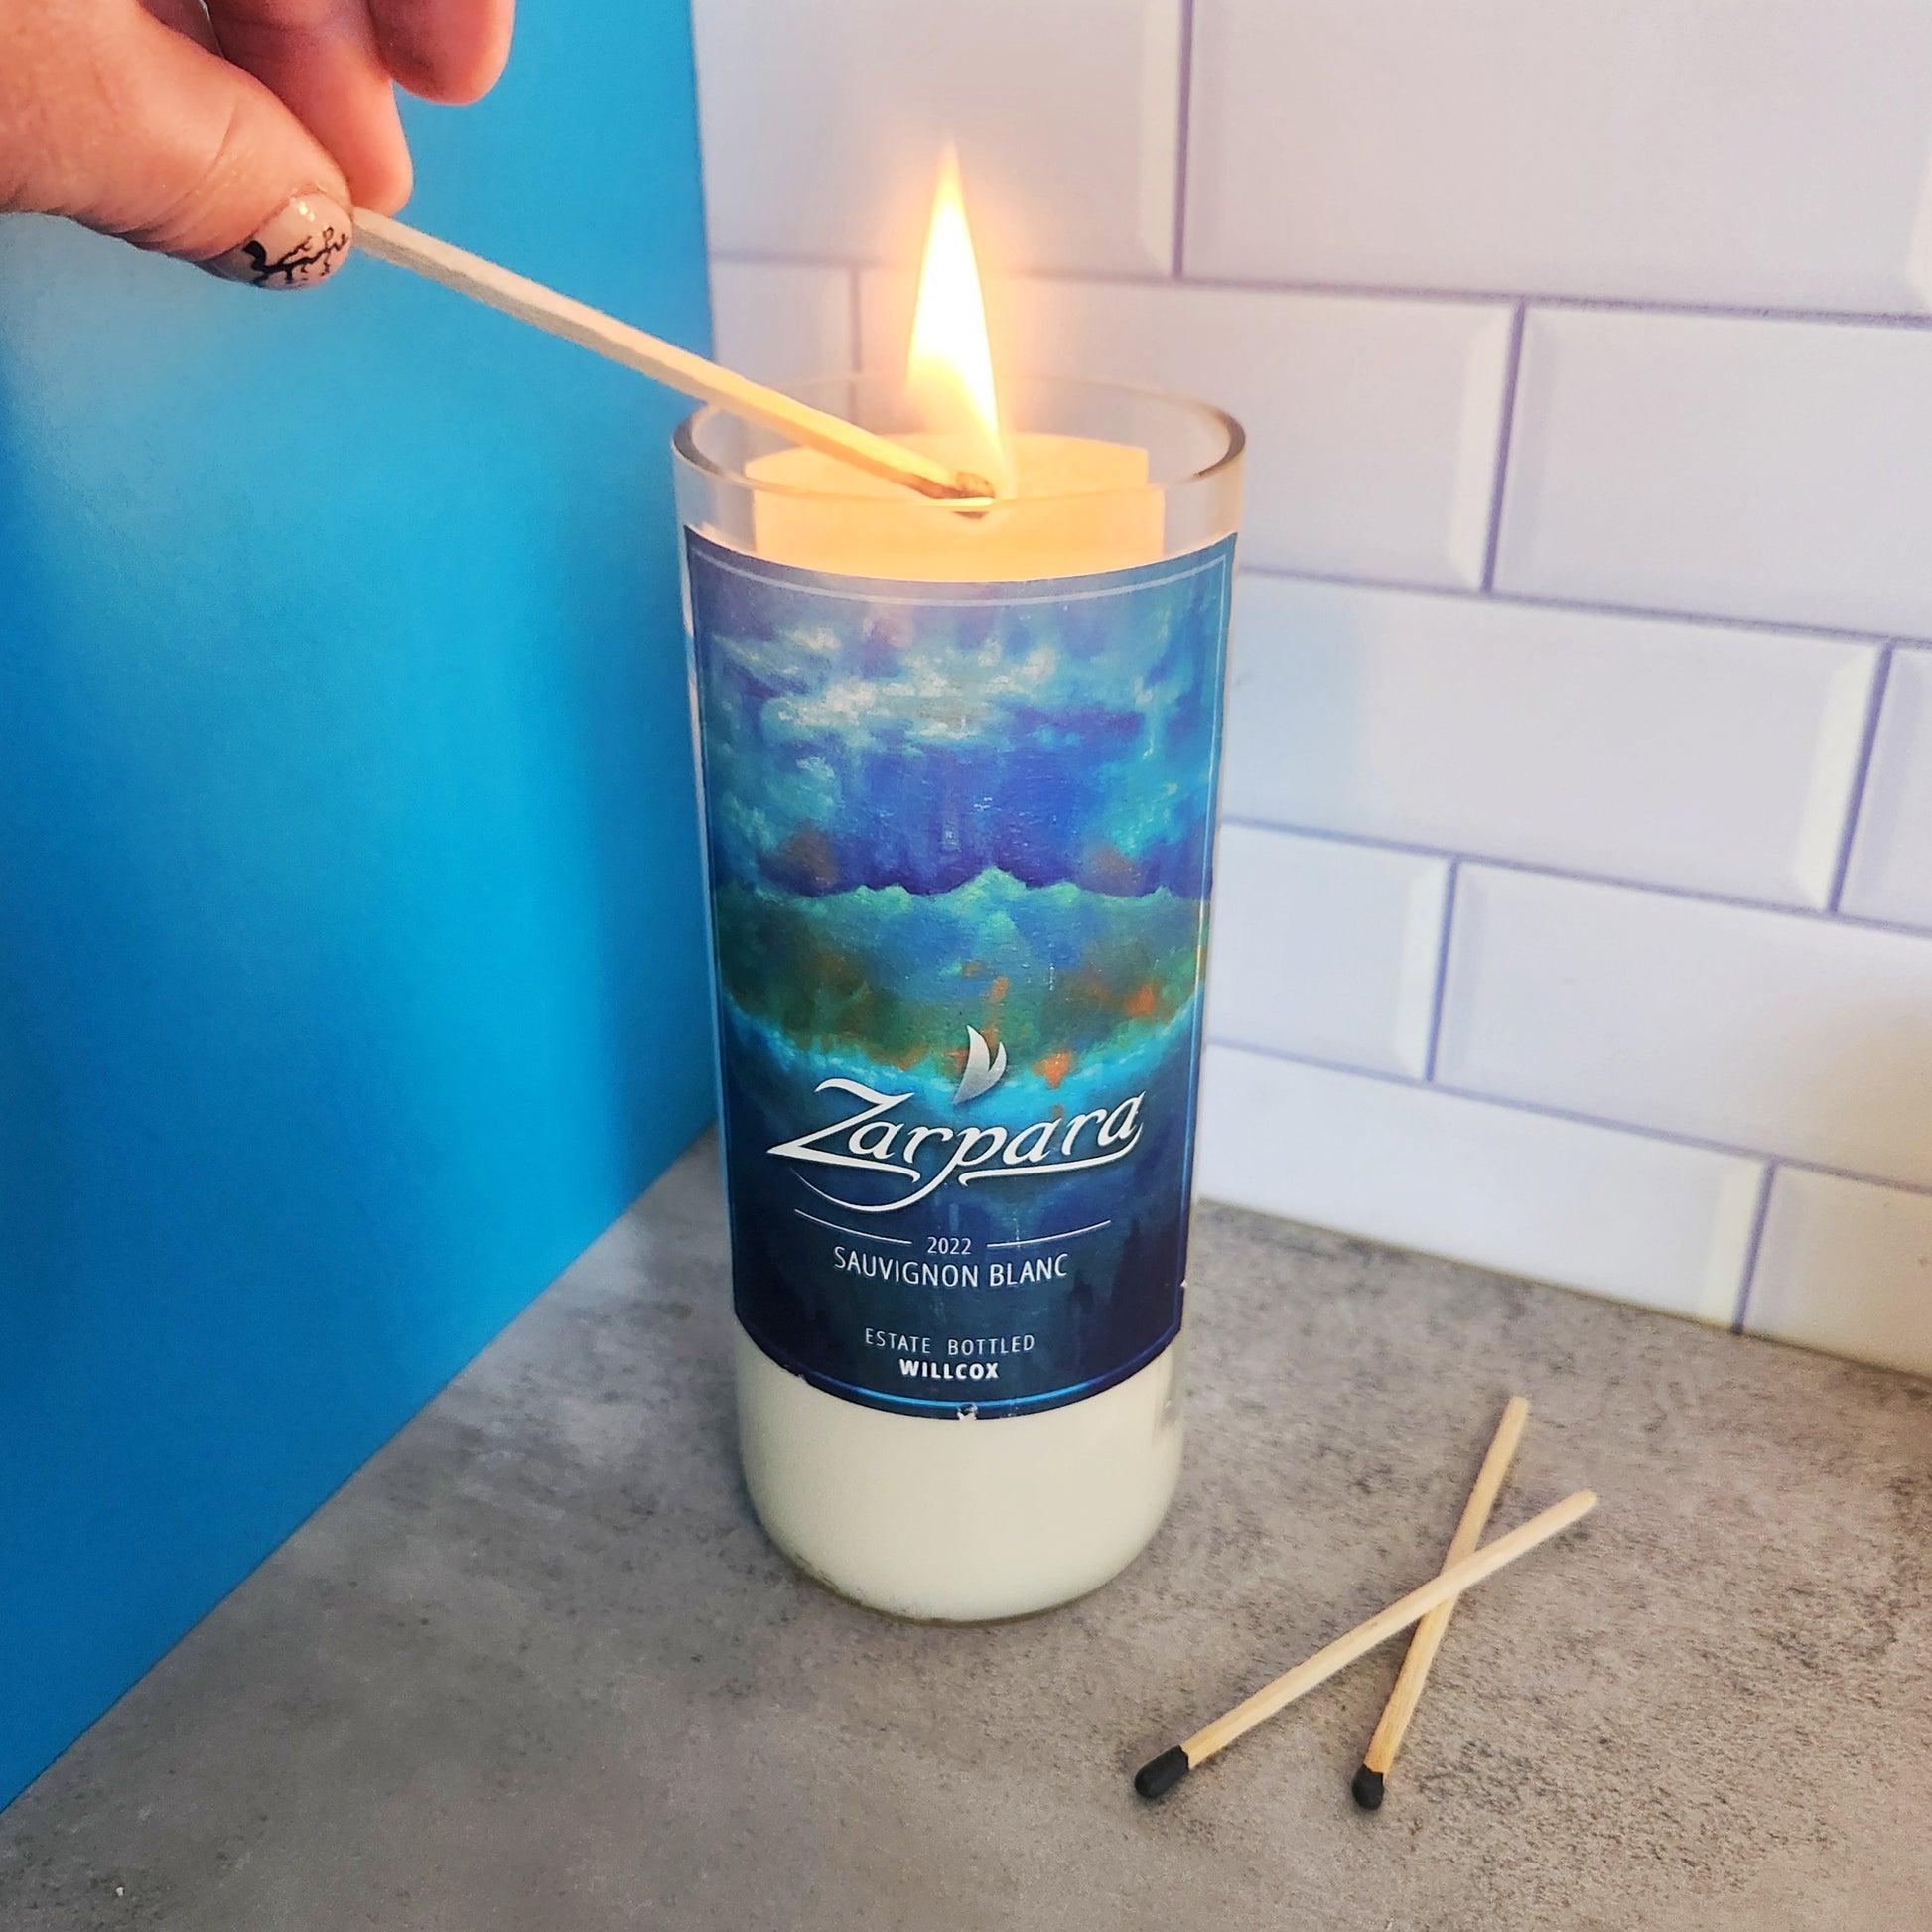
(960, 840)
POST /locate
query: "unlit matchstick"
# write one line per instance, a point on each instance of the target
(1401, 1707)
(516, 295)
(1162, 1773)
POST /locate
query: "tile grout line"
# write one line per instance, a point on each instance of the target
(1572, 1116)
(1612, 882)
(1587, 607)
(1860, 778)
(1182, 126)
(1442, 970)
(1394, 292)
(1513, 369)
(1753, 1244)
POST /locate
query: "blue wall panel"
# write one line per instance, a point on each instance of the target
(352, 975)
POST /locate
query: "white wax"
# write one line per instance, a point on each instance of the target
(1079, 505)
(933, 1516)
(958, 1521)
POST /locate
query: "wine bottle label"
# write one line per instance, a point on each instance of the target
(959, 840)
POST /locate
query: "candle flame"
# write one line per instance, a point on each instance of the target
(949, 362)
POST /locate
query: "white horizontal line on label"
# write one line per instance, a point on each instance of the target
(858, 1234)
(1040, 1240)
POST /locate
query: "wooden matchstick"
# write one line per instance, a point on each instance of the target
(516, 295)
(1401, 1707)
(1162, 1773)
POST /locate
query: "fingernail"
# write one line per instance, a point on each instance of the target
(305, 242)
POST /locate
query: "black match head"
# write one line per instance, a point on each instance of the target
(1161, 1774)
(1367, 1788)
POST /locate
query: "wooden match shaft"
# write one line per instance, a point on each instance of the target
(1401, 1707)
(1336, 1656)
(516, 295)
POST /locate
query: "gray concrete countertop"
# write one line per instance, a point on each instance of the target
(536, 1668)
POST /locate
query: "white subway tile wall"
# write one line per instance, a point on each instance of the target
(1740, 467)
(1325, 949)
(823, 122)
(1576, 898)
(1771, 1030)
(1668, 150)
(783, 321)
(1675, 754)
(1645, 1220)
(1892, 862)
(1847, 1266)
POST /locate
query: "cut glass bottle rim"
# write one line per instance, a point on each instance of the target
(1189, 442)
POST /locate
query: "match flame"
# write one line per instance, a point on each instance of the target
(949, 362)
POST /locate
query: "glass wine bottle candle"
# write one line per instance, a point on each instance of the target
(958, 775)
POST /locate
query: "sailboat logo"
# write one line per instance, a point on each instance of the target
(984, 1069)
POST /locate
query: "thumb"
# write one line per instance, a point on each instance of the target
(139, 131)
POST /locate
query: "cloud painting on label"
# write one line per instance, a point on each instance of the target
(959, 840)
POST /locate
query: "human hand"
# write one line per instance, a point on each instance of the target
(236, 136)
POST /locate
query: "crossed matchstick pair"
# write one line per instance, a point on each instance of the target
(1431, 1606)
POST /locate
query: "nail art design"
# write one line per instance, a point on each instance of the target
(303, 242)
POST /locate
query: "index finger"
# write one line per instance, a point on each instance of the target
(450, 50)
(321, 57)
